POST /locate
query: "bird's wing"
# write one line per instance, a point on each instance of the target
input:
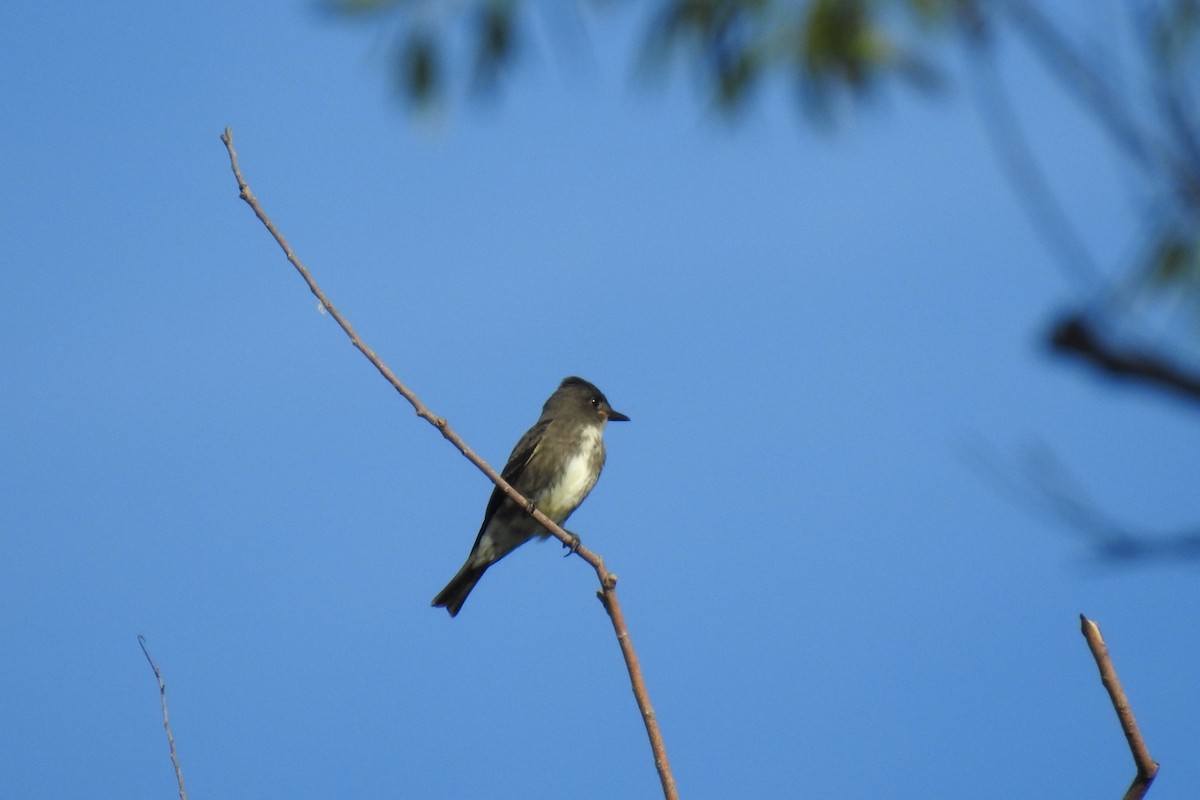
(517, 461)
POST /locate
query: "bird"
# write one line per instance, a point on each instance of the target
(554, 466)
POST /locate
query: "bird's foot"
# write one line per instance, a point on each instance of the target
(573, 545)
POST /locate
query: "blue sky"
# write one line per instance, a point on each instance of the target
(810, 332)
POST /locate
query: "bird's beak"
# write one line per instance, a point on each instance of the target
(616, 416)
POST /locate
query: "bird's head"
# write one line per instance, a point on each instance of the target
(579, 396)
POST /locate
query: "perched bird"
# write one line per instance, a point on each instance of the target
(554, 466)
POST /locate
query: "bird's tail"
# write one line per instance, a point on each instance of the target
(455, 594)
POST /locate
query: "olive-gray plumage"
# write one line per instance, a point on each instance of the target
(554, 465)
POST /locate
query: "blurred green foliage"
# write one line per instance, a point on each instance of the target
(836, 52)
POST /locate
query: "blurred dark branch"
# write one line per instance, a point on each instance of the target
(1075, 337)
(608, 581)
(1020, 165)
(1166, 37)
(1147, 767)
(1168, 160)
(162, 694)
(1080, 76)
(1044, 485)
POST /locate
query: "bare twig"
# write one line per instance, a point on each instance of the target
(608, 581)
(162, 693)
(1147, 767)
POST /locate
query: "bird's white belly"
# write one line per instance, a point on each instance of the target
(577, 480)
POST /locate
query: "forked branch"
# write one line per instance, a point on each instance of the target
(608, 581)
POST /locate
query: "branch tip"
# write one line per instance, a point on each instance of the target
(1146, 766)
(162, 694)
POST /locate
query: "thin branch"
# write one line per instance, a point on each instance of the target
(1147, 767)
(162, 694)
(636, 682)
(608, 581)
(1073, 336)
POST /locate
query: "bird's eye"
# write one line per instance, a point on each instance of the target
(596, 402)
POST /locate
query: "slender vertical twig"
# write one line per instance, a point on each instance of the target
(162, 694)
(608, 581)
(1147, 767)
